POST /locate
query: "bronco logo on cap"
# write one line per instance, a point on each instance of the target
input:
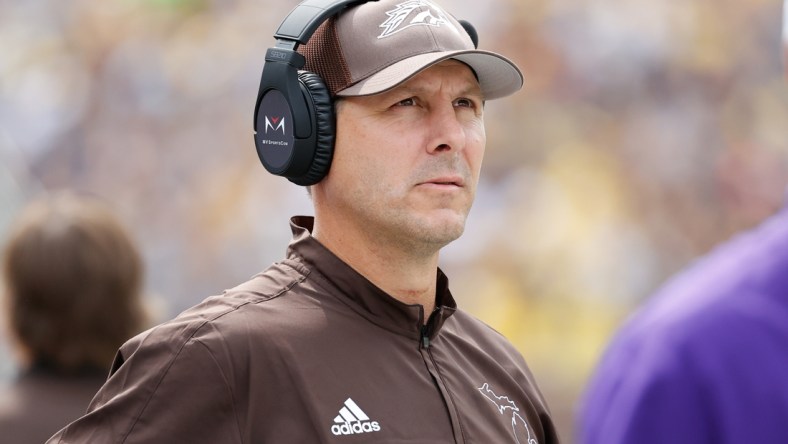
(399, 18)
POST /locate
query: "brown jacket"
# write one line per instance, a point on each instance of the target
(309, 351)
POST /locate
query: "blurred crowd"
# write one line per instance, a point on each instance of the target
(647, 132)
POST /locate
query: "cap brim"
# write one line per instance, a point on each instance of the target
(498, 76)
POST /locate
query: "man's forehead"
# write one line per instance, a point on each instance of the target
(451, 73)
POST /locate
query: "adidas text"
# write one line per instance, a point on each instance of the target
(355, 427)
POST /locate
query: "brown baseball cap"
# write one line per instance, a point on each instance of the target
(377, 45)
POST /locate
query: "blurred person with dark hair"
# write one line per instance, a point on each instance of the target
(72, 296)
(705, 360)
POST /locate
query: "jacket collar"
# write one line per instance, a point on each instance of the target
(362, 295)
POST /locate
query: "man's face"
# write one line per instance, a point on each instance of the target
(407, 161)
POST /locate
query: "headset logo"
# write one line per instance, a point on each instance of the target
(423, 13)
(278, 124)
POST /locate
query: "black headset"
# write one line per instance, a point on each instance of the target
(294, 118)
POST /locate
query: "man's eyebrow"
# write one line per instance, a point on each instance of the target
(472, 90)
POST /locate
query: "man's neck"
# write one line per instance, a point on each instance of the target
(400, 271)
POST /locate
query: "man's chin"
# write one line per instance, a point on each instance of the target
(444, 229)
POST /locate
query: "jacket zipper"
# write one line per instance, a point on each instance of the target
(432, 366)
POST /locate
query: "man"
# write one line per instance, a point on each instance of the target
(705, 360)
(354, 337)
(72, 280)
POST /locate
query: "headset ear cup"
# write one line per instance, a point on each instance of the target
(325, 124)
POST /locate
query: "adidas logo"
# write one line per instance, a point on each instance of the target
(352, 420)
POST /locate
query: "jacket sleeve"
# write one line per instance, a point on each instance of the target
(645, 394)
(163, 391)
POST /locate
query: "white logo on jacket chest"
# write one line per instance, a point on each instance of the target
(352, 420)
(505, 406)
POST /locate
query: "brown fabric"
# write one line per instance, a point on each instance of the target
(324, 57)
(309, 351)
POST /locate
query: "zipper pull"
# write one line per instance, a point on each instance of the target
(425, 338)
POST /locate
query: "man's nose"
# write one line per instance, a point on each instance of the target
(447, 132)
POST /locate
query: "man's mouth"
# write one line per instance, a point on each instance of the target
(445, 181)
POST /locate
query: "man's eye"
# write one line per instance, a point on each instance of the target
(467, 103)
(410, 101)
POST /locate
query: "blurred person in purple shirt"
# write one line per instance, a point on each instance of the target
(706, 359)
(72, 280)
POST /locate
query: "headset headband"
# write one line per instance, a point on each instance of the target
(297, 28)
(306, 17)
